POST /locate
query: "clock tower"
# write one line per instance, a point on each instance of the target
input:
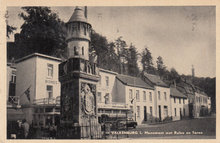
(78, 77)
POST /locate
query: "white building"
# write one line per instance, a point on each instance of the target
(201, 103)
(105, 90)
(37, 84)
(161, 96)
(179, 104)
(137, 95)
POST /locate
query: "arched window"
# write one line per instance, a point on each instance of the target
(82, 50)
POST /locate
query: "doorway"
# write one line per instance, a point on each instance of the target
(145, 113)
(159, 113)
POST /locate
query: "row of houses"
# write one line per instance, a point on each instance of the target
(146, 99)
(34, 87)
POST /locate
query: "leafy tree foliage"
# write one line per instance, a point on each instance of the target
(174, 74)
(107, 58)
(10, 30)
(122, 53)
(132, 59)
(42, 32)
(161, 68)
(147, 61)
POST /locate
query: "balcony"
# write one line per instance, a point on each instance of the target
(113, 105)
(14, 101)
(48, 101)
(77, 65)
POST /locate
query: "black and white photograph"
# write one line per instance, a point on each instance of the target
(110, 72)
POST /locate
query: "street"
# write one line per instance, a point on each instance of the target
(202, 128)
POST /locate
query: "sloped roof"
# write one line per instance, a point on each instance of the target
(176, 93)
(155, 80)
(133, 81)
(78, 15)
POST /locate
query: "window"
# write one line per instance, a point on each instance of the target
(174, 100)
(49, 91)
(137, 95)
(82, 50)
(84, 27)
(180, 100)
(144, 96)
(158, 95)
(107, 80)
(183, 101)
(175, 111)
(150, 97)
(13, 78)
(138, 111)
(99, 97)
(107, 98)
(151, 111)
(184, 112)
(130, 94)
(50, 70)
(76, 52)
(165, 96)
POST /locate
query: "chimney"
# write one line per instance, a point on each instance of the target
(174, 82)
(85, 11)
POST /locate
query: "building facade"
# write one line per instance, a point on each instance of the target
(161, 96)
(37, 78)
(106, 91)
(198, 100)
(179, 104)
(137, 95)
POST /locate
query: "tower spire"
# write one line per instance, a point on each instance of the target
(78, 34)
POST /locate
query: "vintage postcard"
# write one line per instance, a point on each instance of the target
(109, 71)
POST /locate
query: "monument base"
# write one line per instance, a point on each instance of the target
(87, 130)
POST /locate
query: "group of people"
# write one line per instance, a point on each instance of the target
(24, 130)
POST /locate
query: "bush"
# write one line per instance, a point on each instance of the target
(167, 119)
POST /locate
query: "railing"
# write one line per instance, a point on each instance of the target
(76, 64)
(14, 99)
(113, 104)
(47, 101)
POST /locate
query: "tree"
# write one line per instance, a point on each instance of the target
(42, 32)
(174, 74)
(122, 53)
(132, 58)
(161, 69)
(10, 29)
(107, 57)
(147, 61)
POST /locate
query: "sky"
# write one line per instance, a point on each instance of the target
(182, 36)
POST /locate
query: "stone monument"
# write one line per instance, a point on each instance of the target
(78, 76)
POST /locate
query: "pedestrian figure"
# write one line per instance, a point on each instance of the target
(26, 128)
(20, 131)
